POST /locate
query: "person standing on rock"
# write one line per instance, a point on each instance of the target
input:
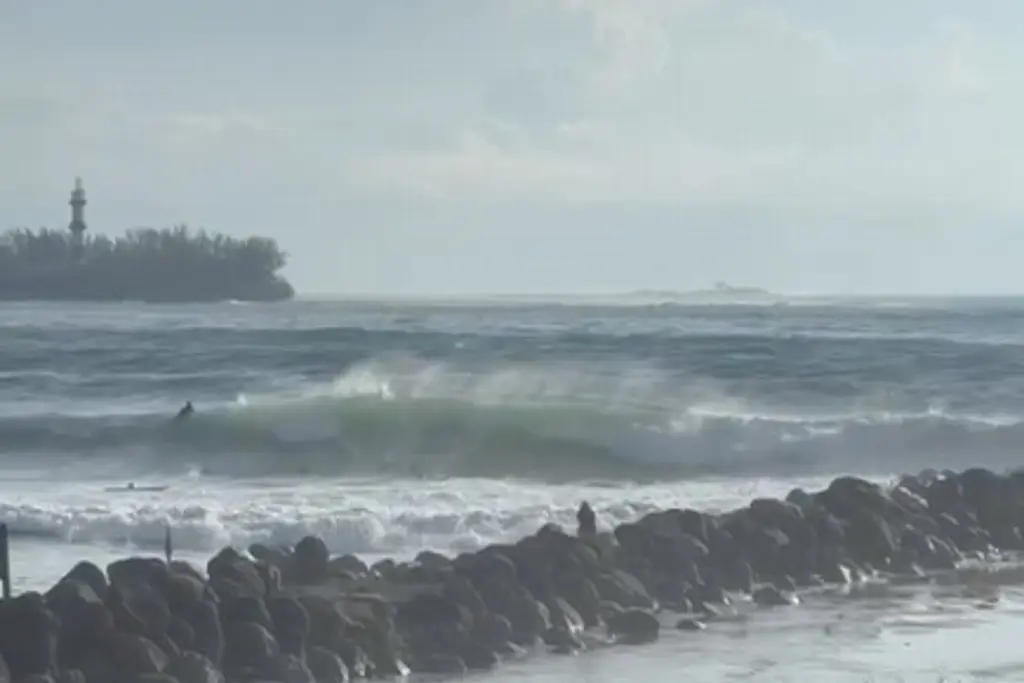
(587, 520)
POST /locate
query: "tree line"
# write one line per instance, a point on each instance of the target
(171, 264)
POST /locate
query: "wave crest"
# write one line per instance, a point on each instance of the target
(545, 423)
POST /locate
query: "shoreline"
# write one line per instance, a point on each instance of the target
(300, 615)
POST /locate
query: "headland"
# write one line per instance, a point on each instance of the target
(298, 614)
(173, 265)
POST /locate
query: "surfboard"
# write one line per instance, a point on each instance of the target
(131, 489)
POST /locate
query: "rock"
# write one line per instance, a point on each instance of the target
(132, 571)
(91, 575)
(248, 646)
(182, 634)
(154, 678)
(528, 618)
(766, 548)
(624, 589)
(135, 655)
(232, 574)
(384, 568)
(583, 596)
(771, 596)
(85, 621)
(848, 497)
(326, 623)
(184, 593)
(690, 624)
(309, 561)
(490, 564)
(288, 669)
(562, 641)
(376, 638)
(634, 626)
(273, 557)
(183, 568)
(433, 560)
(67, 676)
(192, 667)
(291, 624)
(563, 617)
(870, 539)
(326, 666)
(38, 678)
(610, 608)
(28, 636)
(494, 631)
(208, 632)
(155, 621)
(835, 572)
(355, 658)
(247, 608)
(137, 606)
(349, 563)
(270, 575)
(446, 665)
(479, 657)
(800, 498)
(432, 623)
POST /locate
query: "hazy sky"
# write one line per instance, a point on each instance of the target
(537, 145)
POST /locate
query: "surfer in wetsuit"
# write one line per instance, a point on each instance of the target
(186, 411)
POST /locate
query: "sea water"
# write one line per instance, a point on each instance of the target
(390, 427)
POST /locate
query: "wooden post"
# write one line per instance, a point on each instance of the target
(5, 562)
(168, 544)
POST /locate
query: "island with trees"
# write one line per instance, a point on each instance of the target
(146, 264)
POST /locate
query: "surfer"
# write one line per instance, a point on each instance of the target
(185, 412)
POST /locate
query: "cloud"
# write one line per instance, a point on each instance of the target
(384, 119)
(605, 100)
(731, 102)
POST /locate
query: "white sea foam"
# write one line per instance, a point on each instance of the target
(395, 518)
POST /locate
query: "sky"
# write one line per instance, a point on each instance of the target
(537, 146)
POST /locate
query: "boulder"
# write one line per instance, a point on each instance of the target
(28, 636)
(633, 626)
(772, 596)
(232, 574)
(208, 632)
(348, 563)
(246, 608)
(309, 561)
(135, 655)
(184, 593)
(326, 666)
(433, 560)
(248, 647)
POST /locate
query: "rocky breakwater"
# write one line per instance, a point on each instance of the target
(298, 615)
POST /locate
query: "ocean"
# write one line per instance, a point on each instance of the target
(390, 427)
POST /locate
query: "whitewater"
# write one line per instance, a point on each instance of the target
(388, 427)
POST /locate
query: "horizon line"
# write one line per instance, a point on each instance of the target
(640, 295)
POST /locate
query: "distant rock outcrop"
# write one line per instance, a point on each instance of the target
(722, 292)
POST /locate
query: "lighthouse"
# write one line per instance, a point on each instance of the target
(77, 225)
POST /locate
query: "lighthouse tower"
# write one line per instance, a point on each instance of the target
(77, 226)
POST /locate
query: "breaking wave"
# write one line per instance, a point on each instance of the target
(542, 423)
